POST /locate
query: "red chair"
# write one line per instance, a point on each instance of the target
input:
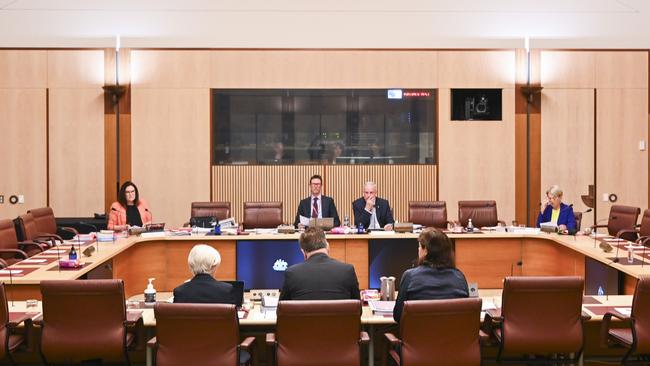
(11, 250)
(262, 214)
(482, 213)
(46, 224)
(621, 220)
(27, 231)
(10, 341)
(428, 213)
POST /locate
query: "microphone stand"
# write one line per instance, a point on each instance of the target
(11, 282)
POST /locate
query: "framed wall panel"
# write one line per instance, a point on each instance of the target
(568, 69)
(75, 69)
(619, 69)
(170, 69)
(23, 69)
(476, 69)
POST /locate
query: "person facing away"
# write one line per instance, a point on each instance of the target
(436, 276)
(129, 209)
(371, 211)
(556, 212)
(317, 205)
(319, 277)
(203, 288)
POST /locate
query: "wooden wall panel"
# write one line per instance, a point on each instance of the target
(622, 69)
(23, 152)
(477, 158)
(76, 155)
(568, 145)
(75, 69)
(476, 69)
(622, 121)
(170, 69)
(170, 134)
(323, 69)
(23, 69)
(568, 69)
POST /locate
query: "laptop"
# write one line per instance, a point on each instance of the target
(237, 291)
(325, 223)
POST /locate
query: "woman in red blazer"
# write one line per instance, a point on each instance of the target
(129, 210)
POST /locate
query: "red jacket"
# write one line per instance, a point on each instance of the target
(117, 214)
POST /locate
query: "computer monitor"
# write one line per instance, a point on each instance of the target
(390, 257)
(261, 263)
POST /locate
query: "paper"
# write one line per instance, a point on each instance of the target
(624, 311)
(241, 314)
(34, 261)
(488, 305)
(304, 220)
(613, 239)
(381, 233)
(10, 271)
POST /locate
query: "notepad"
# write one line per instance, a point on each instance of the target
(624, 311)
(34, 261)
(10, 271)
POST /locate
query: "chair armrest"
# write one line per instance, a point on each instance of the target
(132, 318)
(585, 317)
(271, 344)
(605, 326)
(626, 231)
(643, 240)
(15, 251)
(13, 323)
(494, 314)
(68, 229)
(364, 338)
(3, 263)
(49, 236)
(32, 244)
(152, 343)
(270, 339)
(392, 340)
(247, 343)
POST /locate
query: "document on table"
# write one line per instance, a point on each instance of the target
(624, 311)
(304, 220)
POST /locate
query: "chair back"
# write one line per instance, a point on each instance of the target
(641, 315)
(578, 217)
(441, 332)
(4, 320)
(8, 239)
(542, 315)
(318, 333)
(220, 210)
(482, 213)
(428, 213)
(26, 227)
(82, 320)
(262, 214)
(196, 334)
(622, 218)
(644, 229)
(44, 220)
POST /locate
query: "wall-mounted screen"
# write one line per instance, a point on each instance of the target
(261, 263)
(476, 104)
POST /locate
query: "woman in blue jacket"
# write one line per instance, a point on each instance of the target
(556, 212)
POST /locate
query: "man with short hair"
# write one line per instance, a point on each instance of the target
(319, 277)
(317, 205)
(371, 211)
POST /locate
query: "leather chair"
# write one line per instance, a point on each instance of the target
(482, 213)
(621, 218)
(578, 217)
(26, 230)
(641, 232)
(11, 250)
(220, 210)
(198, 334)
(10, 341)
(96, 329)
(636, 334)
(428, 213)
(539, 316)
(455, 320)
(315, 332)
(262, 214)
(46, 223)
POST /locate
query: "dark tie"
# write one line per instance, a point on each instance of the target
(314, 209)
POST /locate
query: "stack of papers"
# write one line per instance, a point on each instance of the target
(381, 307)
(103, 237)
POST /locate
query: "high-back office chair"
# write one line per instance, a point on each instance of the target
(96, 329)
(220, 210)
(198, 334)
(621, 218)
(428, 213)
(262, 214)
(636, 335)
(26, 230)
(46, 223)
(482, 213)
(640, 232)
(9, 340)
(540, 316)
(456, 324)
(11, 250)
(578, 217)
(317, 333)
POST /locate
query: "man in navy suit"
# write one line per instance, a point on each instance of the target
(203, 288)
(317, 205)
(373, 212)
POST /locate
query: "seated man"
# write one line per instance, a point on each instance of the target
(371, 211)
(319, 277)
(203, 288)
(317, 205)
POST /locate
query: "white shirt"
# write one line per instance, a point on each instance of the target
(374, 224)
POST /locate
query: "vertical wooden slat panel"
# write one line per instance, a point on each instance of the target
(289, 184)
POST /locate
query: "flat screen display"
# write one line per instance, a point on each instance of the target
(390, 257)
(261, 263)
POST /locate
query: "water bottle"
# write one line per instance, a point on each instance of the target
(630, 253)
(346, 221)
(150, 292)
(72, 255)
(360, 229)
(600, 291)
(470, 226)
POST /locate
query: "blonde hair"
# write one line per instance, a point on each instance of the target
(203, 259)
(554, 191)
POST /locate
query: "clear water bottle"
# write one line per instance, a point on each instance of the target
(470, 226)
(346, 221)
(630, 253)
(600, 291)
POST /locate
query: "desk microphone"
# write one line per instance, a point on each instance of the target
(89, 225)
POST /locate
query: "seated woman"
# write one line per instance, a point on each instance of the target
(129, 210)
(203, 288)
(435, 277)
(556, 212)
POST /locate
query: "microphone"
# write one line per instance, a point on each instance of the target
(150, 217)
(89, 225)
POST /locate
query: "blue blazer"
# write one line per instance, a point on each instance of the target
(384, 213)
(566, 217)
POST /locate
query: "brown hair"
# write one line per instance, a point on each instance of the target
(313, 239)
(439, 248)
(121, 196)
(316, 176)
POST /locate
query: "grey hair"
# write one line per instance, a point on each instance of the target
(554, 191)
(370, 183)
(203, 259)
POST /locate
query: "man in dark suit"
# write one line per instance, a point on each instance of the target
(317, 205)
(371, 211)
(203, 288)
(319, 277)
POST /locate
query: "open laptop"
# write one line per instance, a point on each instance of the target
(237, 291)
(325, 223)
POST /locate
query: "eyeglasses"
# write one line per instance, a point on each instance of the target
(316, 184)
(129, 192)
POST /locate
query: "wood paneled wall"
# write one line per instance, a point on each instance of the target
(290, 183)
